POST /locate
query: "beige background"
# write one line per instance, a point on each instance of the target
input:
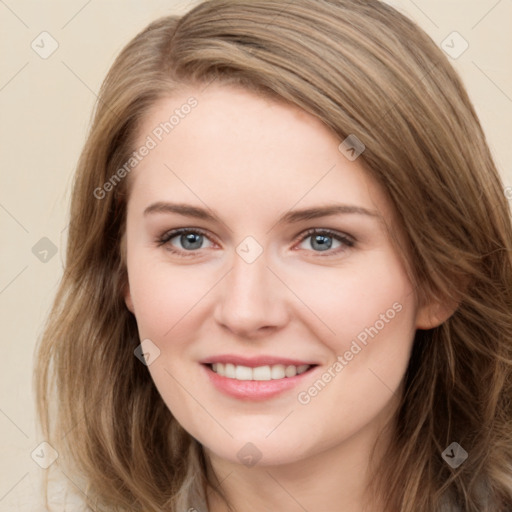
(46, 106)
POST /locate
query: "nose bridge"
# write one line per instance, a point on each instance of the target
(248, 278)
(251, 296)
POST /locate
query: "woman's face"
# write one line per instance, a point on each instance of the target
(246, 294)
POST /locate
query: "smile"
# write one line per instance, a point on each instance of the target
(258, 379)
(259, 373)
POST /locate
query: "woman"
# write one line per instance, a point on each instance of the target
(289, 280)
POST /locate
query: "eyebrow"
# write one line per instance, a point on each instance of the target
(290, 217)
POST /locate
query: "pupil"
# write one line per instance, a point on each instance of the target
(191, 241)
(321, 242)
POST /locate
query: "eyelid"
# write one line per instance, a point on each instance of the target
(173, 233)
(346, 240)
(321, 231)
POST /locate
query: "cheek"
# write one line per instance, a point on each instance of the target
(165, 295)
(373, 293)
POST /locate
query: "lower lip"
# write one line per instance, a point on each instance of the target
(254, 389)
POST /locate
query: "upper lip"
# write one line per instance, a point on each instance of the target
(253, 362)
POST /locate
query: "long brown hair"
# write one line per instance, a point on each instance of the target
(363, 69)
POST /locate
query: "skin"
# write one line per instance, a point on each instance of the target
(294, 300)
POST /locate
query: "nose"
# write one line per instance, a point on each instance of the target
(252, 300)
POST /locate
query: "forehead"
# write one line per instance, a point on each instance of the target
(234, 147)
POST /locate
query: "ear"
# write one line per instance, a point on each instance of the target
(126, 287)
(128, 298)
(434, 314)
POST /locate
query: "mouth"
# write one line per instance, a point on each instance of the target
(256, 382)
(258, 373)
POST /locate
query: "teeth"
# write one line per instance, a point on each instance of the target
(229, 370)
(277, 371)
(239, 372)
(261, 373)
(243, 373)
(290, 371)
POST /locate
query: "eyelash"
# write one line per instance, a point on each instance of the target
(166, 237)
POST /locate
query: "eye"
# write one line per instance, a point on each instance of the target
(325, 240)
(184, 240)
(187, 242)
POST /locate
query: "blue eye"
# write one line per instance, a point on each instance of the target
(323, 241)
(191, 241)
(320, 242)
(187, 240)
